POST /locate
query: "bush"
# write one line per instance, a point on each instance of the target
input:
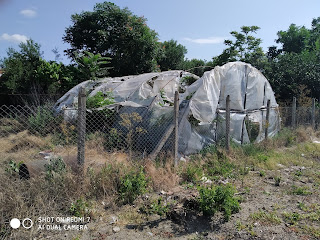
(132, 185)
(191, 173)
(79, 208)
(216, 199)
(43, 121)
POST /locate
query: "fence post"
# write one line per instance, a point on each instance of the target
(81, 124)
(176, 127)
(228, 123)
(313, 113)
(267, 120)
(294, 110)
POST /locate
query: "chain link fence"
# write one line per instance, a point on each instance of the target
(38, 133)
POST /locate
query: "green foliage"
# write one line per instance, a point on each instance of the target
(262, 173)
(56, 166)
(99, 100)
(133, 184)
(304, 191)
(191, 173)
(115, 33)
(13, 167)
(277, 180)
(130, 122)
(171, 55)
(92, 66)
(265, 217)
(196, 66)
(219, 167)
(291, 218)
(157, 206)
(245, 48)
(220, 198)
(296, 62)
(79, 208)
(188, 80)
(42, 121)
(20, 66)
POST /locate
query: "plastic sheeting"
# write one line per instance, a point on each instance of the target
(249, 92)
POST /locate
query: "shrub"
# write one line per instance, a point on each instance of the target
(191, 173)
(43, 121)
(132, 185)
(56, 166)
(216, 199)
(79, 208)
(157, 206)
(221, 167)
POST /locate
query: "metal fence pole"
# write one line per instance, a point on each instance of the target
(228, 123)
(294, 110)
(81, 125)
(267, 120)
(313, 113)
(176, 126)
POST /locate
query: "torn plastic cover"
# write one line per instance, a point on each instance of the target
(249, 92)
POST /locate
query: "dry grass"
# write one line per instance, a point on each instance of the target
(40, 196)
(162, 178)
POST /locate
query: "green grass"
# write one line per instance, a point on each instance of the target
(265, 217)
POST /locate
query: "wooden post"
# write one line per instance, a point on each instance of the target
(313, 113)
(176, 127)
(294, 110)
(267, 120)
(81, 124)
(228, 123)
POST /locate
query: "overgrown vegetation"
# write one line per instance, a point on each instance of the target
(220, 198)
(218, 181)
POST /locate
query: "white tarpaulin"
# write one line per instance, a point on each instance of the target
(249, 92)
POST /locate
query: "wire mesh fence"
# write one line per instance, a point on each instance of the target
(30, 133)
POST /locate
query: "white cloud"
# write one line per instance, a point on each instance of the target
(15, 38)
(30, 13)
(209, 40)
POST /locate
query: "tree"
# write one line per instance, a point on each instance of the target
(20, 66)
(115, 33)
(171, 55)
(196, 66)
(296, 65)
(295, 39)
(91, 66)
(245, 48)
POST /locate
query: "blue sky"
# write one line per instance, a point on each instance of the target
(200, 25)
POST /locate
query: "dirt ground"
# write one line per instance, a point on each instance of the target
(288, 211)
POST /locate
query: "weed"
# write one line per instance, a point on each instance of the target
(99, 100)
(265, 217)
(262, 173)
(132, 185)
(191, 173)
(277, 180)
(13, 167)
(221, 167)
(220, 198)
(43, 121)
(295, 190)
(212, 149)
(298, 173)
(55, 167)
(158, 206)
(240, 226)
(79, 208)
(262, 158)
(291, 218)
(130, 121)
